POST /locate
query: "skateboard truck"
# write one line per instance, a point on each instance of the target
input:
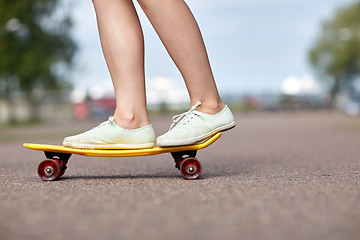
(180, 156)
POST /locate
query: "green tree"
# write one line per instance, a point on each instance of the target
(336, 53)
(35, 49)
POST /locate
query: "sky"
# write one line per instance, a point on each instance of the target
(253, 45)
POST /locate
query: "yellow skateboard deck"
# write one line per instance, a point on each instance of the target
(54, 167)
(121, 152)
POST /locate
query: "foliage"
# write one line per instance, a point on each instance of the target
(336, 54)
(35, 47)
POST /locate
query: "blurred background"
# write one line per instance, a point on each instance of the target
(266, 56)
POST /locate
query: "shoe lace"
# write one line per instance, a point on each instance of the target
(183, 116)
(110, 120)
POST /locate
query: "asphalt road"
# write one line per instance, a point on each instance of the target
(275, 176)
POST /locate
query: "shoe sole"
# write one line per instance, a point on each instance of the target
(109, 146)
(192, 141)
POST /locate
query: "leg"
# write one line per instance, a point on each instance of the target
(123, 46)
(179, 32)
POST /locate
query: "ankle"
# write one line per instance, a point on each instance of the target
(130, 120)
(211, 107)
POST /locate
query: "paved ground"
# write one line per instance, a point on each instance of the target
(275, 176)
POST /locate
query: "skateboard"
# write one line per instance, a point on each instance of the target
(58, 156)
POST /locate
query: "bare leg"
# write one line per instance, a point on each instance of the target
(179, 32)
(123, 46)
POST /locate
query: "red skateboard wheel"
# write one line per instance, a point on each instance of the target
(49, 170)
(190, 168)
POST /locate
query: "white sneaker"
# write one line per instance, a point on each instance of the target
(193, 127)
(109, 135)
